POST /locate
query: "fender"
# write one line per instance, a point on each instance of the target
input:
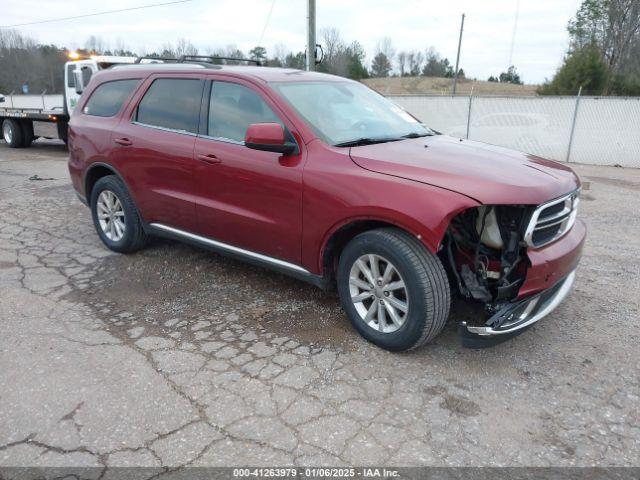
(115, 171)
(430, 236)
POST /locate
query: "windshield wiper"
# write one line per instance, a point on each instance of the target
(418, 135)
(367, 141)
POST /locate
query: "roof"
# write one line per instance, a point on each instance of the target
(266, 74)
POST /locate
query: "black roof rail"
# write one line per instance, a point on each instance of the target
(200, 59)
(159, 59)
(213, 58)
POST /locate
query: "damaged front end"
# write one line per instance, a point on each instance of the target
(485, 252)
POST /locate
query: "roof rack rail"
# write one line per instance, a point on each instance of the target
(158, 59)
(213, 58)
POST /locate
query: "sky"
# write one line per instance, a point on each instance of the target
(539, 44)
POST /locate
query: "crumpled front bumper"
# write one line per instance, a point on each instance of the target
(515, 317)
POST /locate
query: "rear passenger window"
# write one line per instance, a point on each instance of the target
(232, 108)
(172, 103)
(106, 100)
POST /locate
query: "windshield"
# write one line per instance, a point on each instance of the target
(345, 114)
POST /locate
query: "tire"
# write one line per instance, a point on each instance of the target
(12, 133)
(27, 133)
(425, 295)
(63, 131)
(133, 236)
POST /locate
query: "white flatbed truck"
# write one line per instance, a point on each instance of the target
(27, 117)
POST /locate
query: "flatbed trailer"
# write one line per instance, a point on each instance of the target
(27, 117)
(24, 118)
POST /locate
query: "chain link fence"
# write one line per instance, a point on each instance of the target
(592, 130)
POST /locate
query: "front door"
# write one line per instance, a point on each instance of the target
(247, 198)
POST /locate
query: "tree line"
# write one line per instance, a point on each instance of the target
(604, 51)
(603, 56)
(23, 60)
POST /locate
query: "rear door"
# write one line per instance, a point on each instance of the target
(90, 128)
(153, 149)
(247, 198)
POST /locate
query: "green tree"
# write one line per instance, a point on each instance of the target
(258, 53)
(355, 61)
(297, 60)
(380, 65)
(435, 66)
(510, 76)
(582, 67)
(609, 29)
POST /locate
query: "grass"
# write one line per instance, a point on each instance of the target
(442, 86)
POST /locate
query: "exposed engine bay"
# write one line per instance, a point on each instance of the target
(485, 253)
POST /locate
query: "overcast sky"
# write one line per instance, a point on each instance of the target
(540, 40)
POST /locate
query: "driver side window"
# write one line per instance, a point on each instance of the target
(232, 108)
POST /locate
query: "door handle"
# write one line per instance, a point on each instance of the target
(210, 158)
(125, 142)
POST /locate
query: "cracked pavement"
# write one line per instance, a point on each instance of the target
(176, 356)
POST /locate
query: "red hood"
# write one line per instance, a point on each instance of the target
(488, 174)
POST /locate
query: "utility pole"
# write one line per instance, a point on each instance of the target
(455, 74)
(311, 35)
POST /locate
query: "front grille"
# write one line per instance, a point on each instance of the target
(552, 220)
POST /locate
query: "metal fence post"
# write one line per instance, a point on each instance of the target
(469, 111)
(573, 124)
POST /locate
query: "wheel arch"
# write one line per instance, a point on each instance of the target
(95, 172)
(342, 233)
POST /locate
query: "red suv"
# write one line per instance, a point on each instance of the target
(321, 178)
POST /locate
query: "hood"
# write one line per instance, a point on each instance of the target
(486, 173)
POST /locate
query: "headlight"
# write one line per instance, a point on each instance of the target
(487, 228)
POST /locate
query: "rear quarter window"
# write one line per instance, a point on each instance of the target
(107, 99)
(172, 103)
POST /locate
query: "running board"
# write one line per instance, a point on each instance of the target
(254, 258)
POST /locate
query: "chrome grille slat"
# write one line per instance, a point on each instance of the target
(565, 212)
(543, 224)
(544, 229)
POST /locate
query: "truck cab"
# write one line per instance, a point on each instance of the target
(78, 73)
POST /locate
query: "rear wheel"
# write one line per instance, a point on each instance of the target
(394, 291)
(27, 133)
(12, 133)
(115, 216)
(63, 131)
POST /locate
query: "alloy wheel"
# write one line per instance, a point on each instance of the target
(378, 293)
(7, 132)
(111, 215)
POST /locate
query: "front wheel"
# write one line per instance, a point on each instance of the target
(394, 291)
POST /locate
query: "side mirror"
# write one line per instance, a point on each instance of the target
(268, 137)
(1, 98)
(78, 80)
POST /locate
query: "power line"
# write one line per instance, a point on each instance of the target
(94, 14)
(513, 34)
(266, 23)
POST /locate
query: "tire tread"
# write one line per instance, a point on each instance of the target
(139, 237)
(431, 271)
(430, 274)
